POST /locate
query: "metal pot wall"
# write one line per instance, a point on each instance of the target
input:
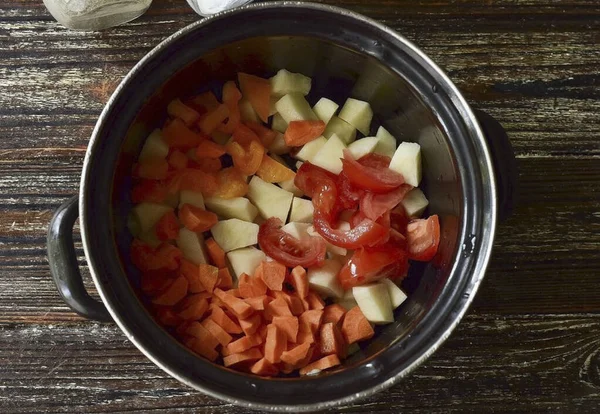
(346, 54)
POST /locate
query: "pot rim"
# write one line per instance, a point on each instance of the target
(449, 321)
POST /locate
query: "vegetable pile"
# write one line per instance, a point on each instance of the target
(335, 231)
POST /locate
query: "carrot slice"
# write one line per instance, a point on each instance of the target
(232, 183)
(217, 331)
(273, 172)
(211, 120)
(201, 348)
(299, 280)
(266, 135)
(251, 325)
(151, 169)
(177, 135)
(251, 286)
(208, 276)
(305, 304)
(311, 319)
(289, 325)
(331, 340)
(209, 165)
(279, 307)
(275, 344)
(246, 159)
(174, 293)
(145, 258)
(197, 219)
(315, 301)
(333, 313)
(178, 160)
(249, 355)
(149, 190)
(192, 308)
(305, 335)
(209, 149)
(224, 321)
(166, 316)
(225, 280)
(273, 274)
(296, 354)
(205, 102)
(155, 281)
(301, 132)
(243, 344)
(324, 363)
(264, 368)
(192, 274)
(178, 109)
(217, 255)
(356, 327)
(236, 305)
(193, 180)
(231, 98)
(258, 302)
(167, 227)
(244, 135)
(258, 92)
(198, 331)
(296, 306)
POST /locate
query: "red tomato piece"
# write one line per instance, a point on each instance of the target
(399, 220)
(349, 195)
(375, 160)
(319, 184)
(371, 264)
(374, 206)
(365, 233)
(377, 180)
(423, 237)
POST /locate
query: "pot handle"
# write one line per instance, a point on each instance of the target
(504, 161)
(64, 267)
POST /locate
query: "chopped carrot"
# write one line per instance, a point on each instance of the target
(311, 319)
(211, 120)
(243, 344)
(197, 219)
(296, 354)
(266, 135)
(155, 281)
(246, 159)
(225, 280)
(315, 301)
(209, 149)
(331, 340)
(167, 227)
(193, 180)
(273, 172)
(305, 335)
(299, 133)
(326, 362)
(289, 325)
(208, 276)
(356, 327)
(273, 274)
(249, 355)
(296, 306)
(232, 183)
(204, 102)
(192, 274)
(231, 98)
(192, 308)
(233, 292)
(174, 293)
(177, 135)
(244, 135)
(264, 368)
(151, 169)
(251, 286)
(178, 109)
(251, 325)
(333, 313)
(236, 305)
(305, 304)
(166, 316)
(279, 307)
(258, 92)
(275, 344)
(149, 190)
(224, 321)
(217, 331)
(217, 255)
(258, 302)
(299, 280)
(209, 165)
(198, 331)
(178, 160)
(201, 348)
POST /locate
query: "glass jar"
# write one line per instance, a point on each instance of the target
(208, 7)
(95, 14)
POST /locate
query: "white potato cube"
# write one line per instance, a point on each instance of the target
(387, 143)
(297, 230)
(191, 245)
(194, 198)
(407, 161)
(278, 123)
(289, 185)
(325, 109)
(245, 260)
(374, 302)
(324, 279)
(271, 201)
(302, 210)
(234, 234)
(308, 150)
(415, 203)
(285, 82)
(147, 214)
(397, 297)
(341, 128)
(358, 114)
(247, 112)
(154, 147)
(330, 155)
(272, 105)
(293, 107)
(237, 207)
(279, 147)
(363, 146)
(347, 300)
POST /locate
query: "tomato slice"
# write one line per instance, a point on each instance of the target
(319, 184)
(374, 206)
(423, 238)
(348, 195)
(371, 264)
(375, 160)
(288, 250)
(365, 233)
(399, 220)
(375, 179)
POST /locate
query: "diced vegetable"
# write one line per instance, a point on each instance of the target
(297, 230)
(387, 143)
(272, 171)
(192, 246)
(356, 327)
(358, 114)
(415, 203)
(324, 279)
(293, 107)
(178, 109)
(423, 238)
(299, 133)
(397, 297)
(363, 146)
(279, 146)
(245, 260)
(330, 155)
(285, 82)
(217, 255)
(279, 124)
(193, 198)
(289, 185)
(309, 150)
(197, 219)
(154, 147)
(234, 234)
(148, 214)
(407, 162)
(339, 127)
(270, 200)
(302, 210)
(325, 109)
(258, 92)
(237, 207)
(374, 302)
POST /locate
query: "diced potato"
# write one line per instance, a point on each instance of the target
(332, 248)
(415, 203)
(302, 210)
(358, 114)
(237, 207)
(279, 147)
(147, 214)
(154, 147)
(347, 301)
(291, 187)
(362, 147)
(407, 161)
(234, 234)
(194, 198)
(192, 246)
(324, 279)
(299, 164)
(387, 143)
(293, 107)
(178, 109)
(308, 150)
(397, 297)
(271, 201)
(245, 260)
(341, 128)
(330, 155)
(278, 123)
(247, 112)
(374, 302)
(325, 109)
(298, 230)
(285, 82)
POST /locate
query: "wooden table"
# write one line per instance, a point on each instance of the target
(531, 341)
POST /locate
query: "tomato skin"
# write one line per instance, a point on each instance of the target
(375, 160)
(288, 250)
(377, 180)
(365, 233)
(371, 264)
(423, 238)
(399, 220)
(319, 184)
(348, 195)
(374, 206)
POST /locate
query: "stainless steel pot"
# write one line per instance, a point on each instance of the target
(346, 54)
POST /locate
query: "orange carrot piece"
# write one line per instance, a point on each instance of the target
(244, 136)
(166, 316)
(243, 344)
(279, 307)
(258, 302)
(273, 274)
(217, 255)
(178, 160)
(174, 293)
(296, 354)
(264, 368)
(266, 135)
(192, 308)
(201, 348)
(258, 92)
(155, 281)
(333, 313)
(356, 327)
(236, 305)
(311, 319)
(208, 276)
(145, 258)
(315, 301)
(177, 135)
(167, 227)
(211, 120)
(197, 219)
(209, 165)
(192, 274)
(224, 321)
(225, 280)
(249, 355)
(289, 325)
(331, 340)
(233, 292)
(217, 331)
(151, 169)
(209, 149)
(193, 180)
(231, 98)
(251, 325)
(305, 335)
(296, 306)
(246, 159)
(232, 183)
(149, 190)
(299, 280)
(324, 363)
(205, 102)
(178, 109)
(275, 344)
(272, 171)
(301, 132)
(198, 331)
(251, 286)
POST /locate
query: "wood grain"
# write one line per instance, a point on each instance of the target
(530, 342)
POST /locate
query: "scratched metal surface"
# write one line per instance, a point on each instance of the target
(530, 341)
